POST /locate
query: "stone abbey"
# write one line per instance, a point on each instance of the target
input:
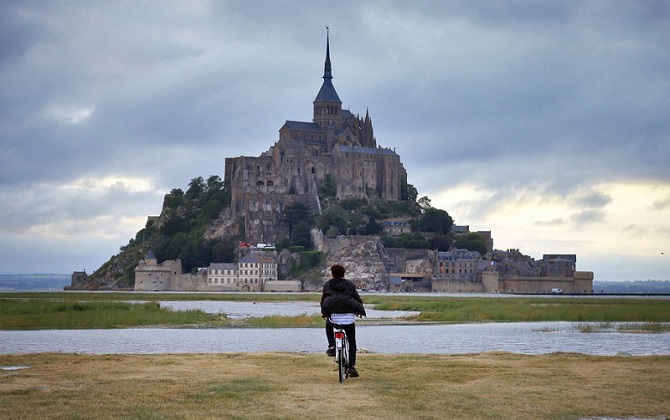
(336, 144)
(339, 148)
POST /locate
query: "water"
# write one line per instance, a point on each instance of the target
(242, 310)
(520, 338)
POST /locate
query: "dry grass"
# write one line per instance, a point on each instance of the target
(283, 385)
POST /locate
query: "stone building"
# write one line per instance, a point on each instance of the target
(252, 273)
(460, 270)
(336, 144)
(396, 227)
(150, 276)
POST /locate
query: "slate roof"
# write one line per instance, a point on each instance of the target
(302, 126)
(366, 150)
(222, 266)
(327, 92)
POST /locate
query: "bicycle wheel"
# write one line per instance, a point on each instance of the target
(345, 350)
(341, 357)
(341, 365)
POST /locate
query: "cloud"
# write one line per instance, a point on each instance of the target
(661, 204)
(527, 118)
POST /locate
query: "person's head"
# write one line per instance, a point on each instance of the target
(337, 270)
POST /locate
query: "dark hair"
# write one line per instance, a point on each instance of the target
(337, 270)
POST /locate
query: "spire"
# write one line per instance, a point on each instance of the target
(327, 70)
(327, 105)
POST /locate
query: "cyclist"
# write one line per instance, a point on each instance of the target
(340, 303)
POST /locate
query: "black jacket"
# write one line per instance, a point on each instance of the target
(340, 297)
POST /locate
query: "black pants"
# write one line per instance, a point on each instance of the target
(351, 337)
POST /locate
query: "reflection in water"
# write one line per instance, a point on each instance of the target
(521, 338)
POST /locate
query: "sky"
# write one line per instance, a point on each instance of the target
(545, 122)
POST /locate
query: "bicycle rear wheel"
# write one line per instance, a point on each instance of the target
(342, 356)
(341, 365)
(345, 350)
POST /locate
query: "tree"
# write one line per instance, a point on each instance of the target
(373, 227)
(328, 188)
(440, 242)
(424, 203)
(214, 183)
(334, 216)
(408, 192)
(301, 234)
(297, 212)
(223, 251)
(473, 241)
(436, 221)
(196, 187)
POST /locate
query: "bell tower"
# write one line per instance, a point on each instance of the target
(327, 105)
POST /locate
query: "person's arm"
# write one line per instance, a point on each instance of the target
(358, 299)
(355, 294)
(324, 293)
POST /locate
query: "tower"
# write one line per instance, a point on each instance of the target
(327, 105)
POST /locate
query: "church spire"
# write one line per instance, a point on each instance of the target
(327, 70)
(327, 105)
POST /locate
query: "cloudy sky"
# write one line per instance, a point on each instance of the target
(546, 122)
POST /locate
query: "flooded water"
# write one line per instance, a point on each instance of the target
(242, 310)
(521, 338)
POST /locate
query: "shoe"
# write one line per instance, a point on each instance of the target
(353, 372)
(331, 351)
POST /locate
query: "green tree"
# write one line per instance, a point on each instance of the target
(440, 242)
(373, 227)
(408, 192)
(334, 216)
(473, 241)
(223, 252)
(436, 221)
(196, 187)
(297, 212)
(214, 183)
(424, 203)
(301, 234)
(328, 188)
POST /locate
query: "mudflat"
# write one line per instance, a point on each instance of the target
(296, 385)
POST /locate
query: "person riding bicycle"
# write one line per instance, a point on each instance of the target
(340, 304)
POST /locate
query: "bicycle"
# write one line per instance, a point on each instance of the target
(341, 351)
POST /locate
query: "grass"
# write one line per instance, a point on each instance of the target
(39, 313)
(629, 327)
(527, 309)
(112, 310)
(287, 386)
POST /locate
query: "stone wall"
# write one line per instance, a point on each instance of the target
(457, 286)
(582, 282)
(283, 286)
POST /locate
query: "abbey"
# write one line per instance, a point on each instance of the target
(336, 144)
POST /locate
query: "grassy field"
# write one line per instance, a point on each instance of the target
(289, 386)
(296, 385)
(67, 310)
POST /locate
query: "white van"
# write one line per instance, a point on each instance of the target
(556, 290)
